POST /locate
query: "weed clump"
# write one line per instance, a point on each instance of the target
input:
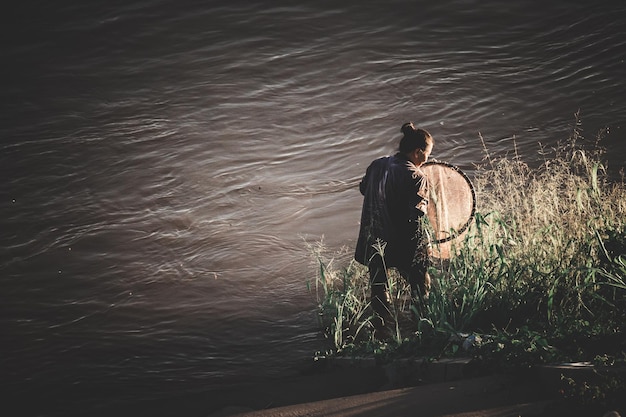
(539, 277)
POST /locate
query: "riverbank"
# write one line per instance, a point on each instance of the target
(493, 396)
(408, 388)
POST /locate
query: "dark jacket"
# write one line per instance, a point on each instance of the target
(392, 188)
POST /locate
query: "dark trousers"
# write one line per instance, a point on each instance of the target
(417, 277)
(380, 295)
(380, 301)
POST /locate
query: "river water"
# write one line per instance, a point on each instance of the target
(165, 162)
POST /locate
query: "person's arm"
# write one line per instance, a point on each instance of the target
(418, 199)
(422, 194)
(419, 193)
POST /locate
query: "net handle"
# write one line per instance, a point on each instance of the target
(471, 186)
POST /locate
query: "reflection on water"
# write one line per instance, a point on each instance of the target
(164, 165)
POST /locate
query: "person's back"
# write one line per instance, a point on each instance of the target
(391, 194)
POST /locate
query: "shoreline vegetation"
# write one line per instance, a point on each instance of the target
(538, 279)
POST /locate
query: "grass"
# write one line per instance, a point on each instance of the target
(539, 277)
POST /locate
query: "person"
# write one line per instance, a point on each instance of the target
(392, 234)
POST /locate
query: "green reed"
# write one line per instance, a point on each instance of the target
(546, 251)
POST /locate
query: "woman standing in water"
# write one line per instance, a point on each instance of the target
(392, 234)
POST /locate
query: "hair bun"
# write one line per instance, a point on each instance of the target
(407, 128)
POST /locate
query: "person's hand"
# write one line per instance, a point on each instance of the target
(422, 206)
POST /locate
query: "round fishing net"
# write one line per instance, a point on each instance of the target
(451, 206)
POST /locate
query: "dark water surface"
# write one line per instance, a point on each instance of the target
(164, 162)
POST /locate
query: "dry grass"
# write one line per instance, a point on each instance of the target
(544, 251)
